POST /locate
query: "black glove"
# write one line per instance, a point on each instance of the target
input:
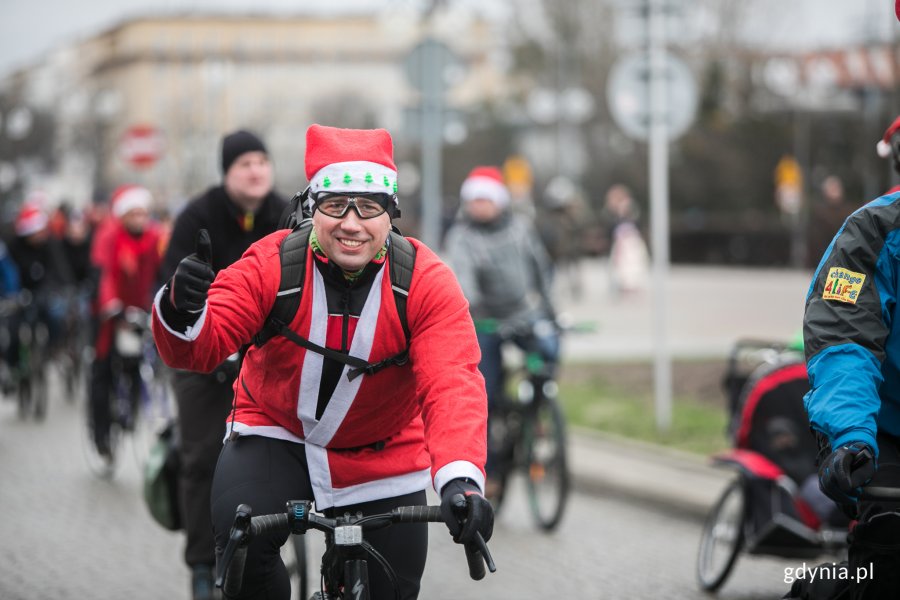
(475, 514)
(193, 276)
(843, 472)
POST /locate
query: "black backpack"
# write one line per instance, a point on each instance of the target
(292, 253)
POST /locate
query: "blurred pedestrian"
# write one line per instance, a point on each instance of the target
(44, 269)
(827, 216)
(561, 226)
(241, 210)
(629, 259)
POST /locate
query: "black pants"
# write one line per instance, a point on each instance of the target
(204, 402)
(265, 473)
(875, 541)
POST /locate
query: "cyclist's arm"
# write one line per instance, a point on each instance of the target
(444, 356)
(847, 322)
(108, 296)
(238, 302)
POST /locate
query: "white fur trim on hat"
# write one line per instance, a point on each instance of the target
(31, 223)
(136, 197)
(484, 187)
(883, 149)
(354, 177)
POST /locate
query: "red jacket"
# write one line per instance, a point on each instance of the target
(431, 413)
(128, 277)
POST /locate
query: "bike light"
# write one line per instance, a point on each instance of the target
(348, 535)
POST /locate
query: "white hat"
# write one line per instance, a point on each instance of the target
(486, 183)
(130, 197)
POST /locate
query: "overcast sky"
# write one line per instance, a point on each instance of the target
(31, 28)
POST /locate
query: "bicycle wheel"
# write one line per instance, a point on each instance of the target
(547, 471)
(23, 395)
(100, 466)
(722, 537)
(39, 371)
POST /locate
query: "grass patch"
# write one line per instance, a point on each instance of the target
(598, 397)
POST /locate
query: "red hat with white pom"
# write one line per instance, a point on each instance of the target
(485, 183)
(884, 144)
(129, 197)
(30, 220)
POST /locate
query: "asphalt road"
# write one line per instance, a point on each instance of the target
(68, 534)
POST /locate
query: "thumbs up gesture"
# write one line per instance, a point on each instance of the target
(192, 278)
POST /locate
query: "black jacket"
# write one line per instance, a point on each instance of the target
(215, 212)
(43, 268)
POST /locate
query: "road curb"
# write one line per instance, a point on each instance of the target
(672, 480)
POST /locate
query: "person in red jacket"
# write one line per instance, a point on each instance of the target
(300, 426)
(128, 278)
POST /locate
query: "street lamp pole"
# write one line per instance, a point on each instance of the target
(659, 215)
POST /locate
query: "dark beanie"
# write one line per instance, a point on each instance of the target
(237, 143)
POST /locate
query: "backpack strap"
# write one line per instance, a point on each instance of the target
(402, 260)
(292, 254)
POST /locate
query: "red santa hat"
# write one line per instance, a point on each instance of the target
(350, 160)
(486, 183)
(883, 148)
(30, 220)
(130, 197)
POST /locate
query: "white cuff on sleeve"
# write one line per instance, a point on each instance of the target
(458, 469)
(188, 335)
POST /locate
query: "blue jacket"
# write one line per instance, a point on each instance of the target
(9, 274)
(851, 329)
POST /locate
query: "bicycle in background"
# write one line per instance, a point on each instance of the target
(73, 355)
(526, 426)
(345, 561)
(25, 344)
(140, 403)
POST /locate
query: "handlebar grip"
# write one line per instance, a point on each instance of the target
(419, 514)
(476, 562)
(264, 524)
(234, 576)
(876, 493)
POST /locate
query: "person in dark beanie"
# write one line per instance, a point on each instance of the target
(241, 210)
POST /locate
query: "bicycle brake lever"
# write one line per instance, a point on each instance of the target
(477, 553)
(236, 537)
(482, 546)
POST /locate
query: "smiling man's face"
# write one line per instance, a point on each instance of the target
(350, 242)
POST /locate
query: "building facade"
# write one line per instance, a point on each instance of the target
(148, 100)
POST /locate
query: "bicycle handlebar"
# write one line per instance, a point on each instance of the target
(298, 518)
(874, 492)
